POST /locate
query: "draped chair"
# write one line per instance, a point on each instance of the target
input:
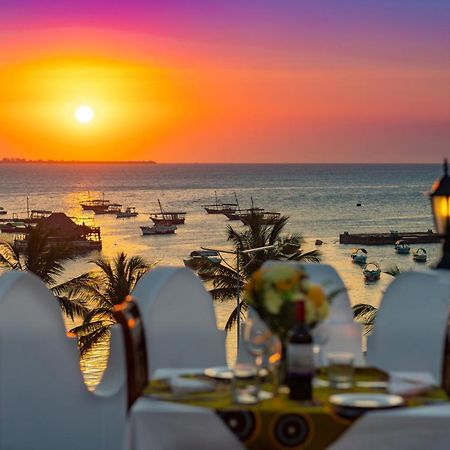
(44, 403)
(179, 319)
(411, 326)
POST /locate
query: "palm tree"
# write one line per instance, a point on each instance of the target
(101, 290)
(224, 278)
(45, 260)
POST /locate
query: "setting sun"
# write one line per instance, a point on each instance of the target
(84, 114)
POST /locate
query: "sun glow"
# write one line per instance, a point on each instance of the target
(84, 114)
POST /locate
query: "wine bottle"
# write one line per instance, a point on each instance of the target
(300, 358)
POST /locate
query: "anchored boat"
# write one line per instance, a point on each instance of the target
(359, 255)
(159, 228)
(221, 208)
(402, 247)
(168, 217)
(372, 271)
(130, 211)
(420, 255)
(196, 257)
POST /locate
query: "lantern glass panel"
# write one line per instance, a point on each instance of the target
(441, 212)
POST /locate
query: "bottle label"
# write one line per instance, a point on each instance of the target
(300, 358)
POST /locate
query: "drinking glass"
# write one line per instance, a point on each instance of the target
(245, 384)
(257, 340)
(340, 370)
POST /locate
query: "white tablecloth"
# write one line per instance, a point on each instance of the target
(157, 425)
(421, 428)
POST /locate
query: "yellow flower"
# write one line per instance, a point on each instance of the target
(316, 295)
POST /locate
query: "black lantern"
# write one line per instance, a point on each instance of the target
(440, 202)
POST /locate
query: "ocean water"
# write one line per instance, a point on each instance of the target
(320, 201)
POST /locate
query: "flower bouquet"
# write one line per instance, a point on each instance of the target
(273, 292)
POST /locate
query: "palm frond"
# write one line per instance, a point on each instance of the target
(72, 308)
(234, 315)
(365, 314)
(8, 256)
(89, 342)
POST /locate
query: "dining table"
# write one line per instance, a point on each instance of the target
(168, 417)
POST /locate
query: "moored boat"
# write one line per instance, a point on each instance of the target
(196, 257)
(420, 255)
(159, 228)
(221, 208)
(372, 271)
(359, 255)
(113, 208)
(14, 227)
(130, 211)
(402, 247)
(168, 217)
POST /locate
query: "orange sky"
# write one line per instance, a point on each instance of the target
(180, 100)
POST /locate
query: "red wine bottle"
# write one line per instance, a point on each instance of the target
(300, 360)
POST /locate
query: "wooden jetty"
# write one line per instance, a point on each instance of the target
(414, 237)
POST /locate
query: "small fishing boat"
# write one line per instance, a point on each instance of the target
(168, 217)
(14, 227)
(220, 208)
(113, 208)
(402, 247)
(420, 255)
(3, 211)
(197, 256)
(372, 271)
(159, 228)
(130, 211)
(359, 255)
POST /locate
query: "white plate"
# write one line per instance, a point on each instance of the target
(366, 401)
(219, 373)
(225, 373)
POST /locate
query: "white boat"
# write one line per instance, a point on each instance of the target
(359, 255)
(372, 271)
(402, 247)
(129, 212)
(158, 228)
(420, 255)
(3, 211)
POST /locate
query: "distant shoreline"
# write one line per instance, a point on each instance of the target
(51, 161)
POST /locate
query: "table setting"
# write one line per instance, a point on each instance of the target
(273, 400)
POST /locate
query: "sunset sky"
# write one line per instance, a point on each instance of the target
(226, 81)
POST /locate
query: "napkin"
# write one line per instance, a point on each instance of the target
(180, 385)
(410, 383)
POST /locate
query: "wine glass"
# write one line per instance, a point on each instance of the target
(259, 341)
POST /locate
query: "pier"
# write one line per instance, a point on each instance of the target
(413, 237)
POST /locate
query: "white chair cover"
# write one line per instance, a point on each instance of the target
(411, 325)
(179, 318)
(403, 429)
(44, 403)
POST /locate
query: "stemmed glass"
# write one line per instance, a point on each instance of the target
(260, 342)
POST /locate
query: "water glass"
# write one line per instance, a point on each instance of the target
(245, 384)
(340, 370)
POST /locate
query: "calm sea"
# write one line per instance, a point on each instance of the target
(319, 199)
